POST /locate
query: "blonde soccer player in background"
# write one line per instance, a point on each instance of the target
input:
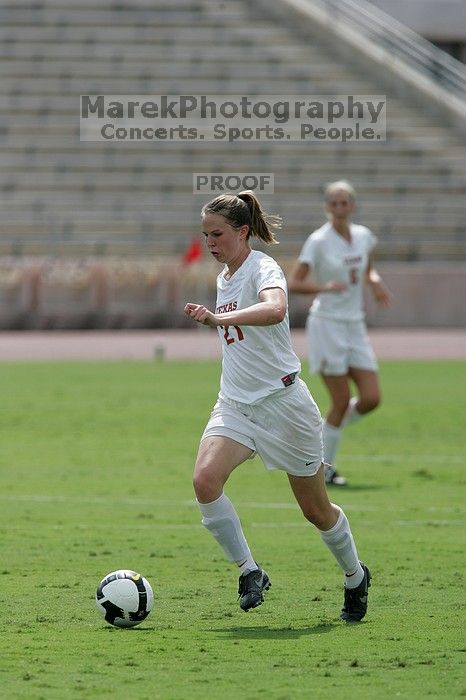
(334, 264)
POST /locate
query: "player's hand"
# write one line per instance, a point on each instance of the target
(381, 293)
(201, 314)
(335, 287)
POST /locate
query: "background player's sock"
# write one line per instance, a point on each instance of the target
(351, 415)
(331, 437)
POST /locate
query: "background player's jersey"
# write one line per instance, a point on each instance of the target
(332, 259)
(255, 358)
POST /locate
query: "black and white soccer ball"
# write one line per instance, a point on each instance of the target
(124, 598)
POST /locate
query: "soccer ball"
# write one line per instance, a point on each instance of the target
(124, 598)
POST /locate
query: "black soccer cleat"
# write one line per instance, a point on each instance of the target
(333, 478)
(355, 605)
(251, 587)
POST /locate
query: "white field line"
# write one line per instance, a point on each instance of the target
(266, 526)
(422, 459)
(254, 505)
(401, 523)
(422, 523)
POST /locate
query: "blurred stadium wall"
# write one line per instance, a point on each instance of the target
(93, 234)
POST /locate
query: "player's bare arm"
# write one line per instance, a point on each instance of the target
(270, 309)
(381, 293)
(301, 282)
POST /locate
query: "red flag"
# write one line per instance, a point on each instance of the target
(193, 252)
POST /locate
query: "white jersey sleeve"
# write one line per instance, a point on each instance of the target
(268, 274)
(310, 251)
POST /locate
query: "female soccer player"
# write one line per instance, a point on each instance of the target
(339, 256)
(263, 407)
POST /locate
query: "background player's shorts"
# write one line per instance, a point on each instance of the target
(334, 346)
(285, 429)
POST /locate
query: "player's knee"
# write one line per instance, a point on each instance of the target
(317, 516)
(205, 486)
(368, 403)
(201, 487)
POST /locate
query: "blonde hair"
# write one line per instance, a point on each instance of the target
(340, 185)
(245, 209)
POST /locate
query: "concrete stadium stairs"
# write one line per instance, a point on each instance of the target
(63, 197)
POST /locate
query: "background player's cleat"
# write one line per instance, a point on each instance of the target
(355, 605)
(333, 477)
(251, 586)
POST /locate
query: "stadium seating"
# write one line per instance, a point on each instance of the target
(76, 213)
(62, 196)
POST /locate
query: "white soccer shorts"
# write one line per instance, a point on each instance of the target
(335, 346)
(285, 429)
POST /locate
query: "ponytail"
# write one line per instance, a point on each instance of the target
(245, 209)
(262, 224)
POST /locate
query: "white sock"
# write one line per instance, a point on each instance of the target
(351, 415)
(339, 540)
(331, 437)
(221, 519)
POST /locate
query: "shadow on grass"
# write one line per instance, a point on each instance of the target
(277, 632)
(356, 487)
(115, 628)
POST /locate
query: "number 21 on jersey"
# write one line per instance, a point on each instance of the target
(229, 338)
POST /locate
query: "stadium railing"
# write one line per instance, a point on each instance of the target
(413, 58)
(396, 37)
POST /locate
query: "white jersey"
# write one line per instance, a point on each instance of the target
(333, 259)
(257, 360)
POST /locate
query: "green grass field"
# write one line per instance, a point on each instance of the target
(96, 464)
